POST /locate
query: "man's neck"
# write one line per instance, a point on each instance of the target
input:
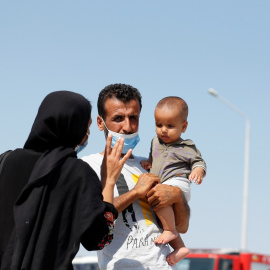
(122, 155)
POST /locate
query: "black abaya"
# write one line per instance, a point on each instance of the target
(50, 201)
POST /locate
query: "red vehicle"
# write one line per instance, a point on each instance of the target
(223, 260)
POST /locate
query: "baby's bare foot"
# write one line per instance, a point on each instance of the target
(177, 255)
(166, 237)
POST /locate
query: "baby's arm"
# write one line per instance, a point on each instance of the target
(197, 175)
(147, 164)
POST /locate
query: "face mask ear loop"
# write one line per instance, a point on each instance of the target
(77, 147)
(104, 123)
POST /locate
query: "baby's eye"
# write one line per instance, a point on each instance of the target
(158, 125)
(170, 126)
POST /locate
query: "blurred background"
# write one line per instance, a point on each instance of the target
(163, 48)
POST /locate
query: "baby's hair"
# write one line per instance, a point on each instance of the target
(174, 102)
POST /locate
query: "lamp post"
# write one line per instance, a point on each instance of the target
(246, 166)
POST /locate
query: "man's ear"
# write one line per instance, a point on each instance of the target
(185, 124)
(100, 123)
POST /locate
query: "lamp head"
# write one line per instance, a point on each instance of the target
(212, 92)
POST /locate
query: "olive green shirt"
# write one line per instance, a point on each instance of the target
(177, 159)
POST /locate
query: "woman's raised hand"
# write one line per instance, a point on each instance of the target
(112, 164)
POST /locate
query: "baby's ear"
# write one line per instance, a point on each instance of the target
(184, 127)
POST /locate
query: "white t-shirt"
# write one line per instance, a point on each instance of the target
(135, 229)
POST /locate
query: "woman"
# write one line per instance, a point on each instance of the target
(50, 201)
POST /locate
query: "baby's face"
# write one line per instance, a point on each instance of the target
(169, 124)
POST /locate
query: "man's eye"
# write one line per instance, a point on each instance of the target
(118, 119)
(133, 117)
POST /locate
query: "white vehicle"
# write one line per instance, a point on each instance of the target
(85, 263)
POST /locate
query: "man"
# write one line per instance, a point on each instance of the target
(136, 228)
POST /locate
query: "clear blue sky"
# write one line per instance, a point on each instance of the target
(163, 48)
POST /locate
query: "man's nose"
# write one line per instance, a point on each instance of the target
(127, 126)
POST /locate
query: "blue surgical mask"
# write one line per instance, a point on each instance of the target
(131, 140)
(79, 148)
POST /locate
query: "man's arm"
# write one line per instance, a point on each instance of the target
(123, 201)
(181, 213)
(145, 182)
(164, 195)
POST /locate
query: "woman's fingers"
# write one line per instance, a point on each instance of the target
(118, 147)
(126, 156)
(108, 144)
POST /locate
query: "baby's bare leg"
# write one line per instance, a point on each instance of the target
(179, 253)
(166, 217)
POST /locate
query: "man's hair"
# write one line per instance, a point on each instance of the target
(122, 92)
(174, 102)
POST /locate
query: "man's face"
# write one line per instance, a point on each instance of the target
(121, 117)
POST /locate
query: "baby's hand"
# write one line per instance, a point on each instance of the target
(197, 175)
(147, 165)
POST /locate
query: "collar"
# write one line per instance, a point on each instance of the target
(178, 142)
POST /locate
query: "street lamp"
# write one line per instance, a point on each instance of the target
(246, 166)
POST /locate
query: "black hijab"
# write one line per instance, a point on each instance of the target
(60, 125)
(62, 120)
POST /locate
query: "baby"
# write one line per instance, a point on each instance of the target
(176, 162)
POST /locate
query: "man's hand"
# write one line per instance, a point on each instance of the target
(145, 182)
(163, 195)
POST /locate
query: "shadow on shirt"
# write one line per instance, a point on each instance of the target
(134, 264)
